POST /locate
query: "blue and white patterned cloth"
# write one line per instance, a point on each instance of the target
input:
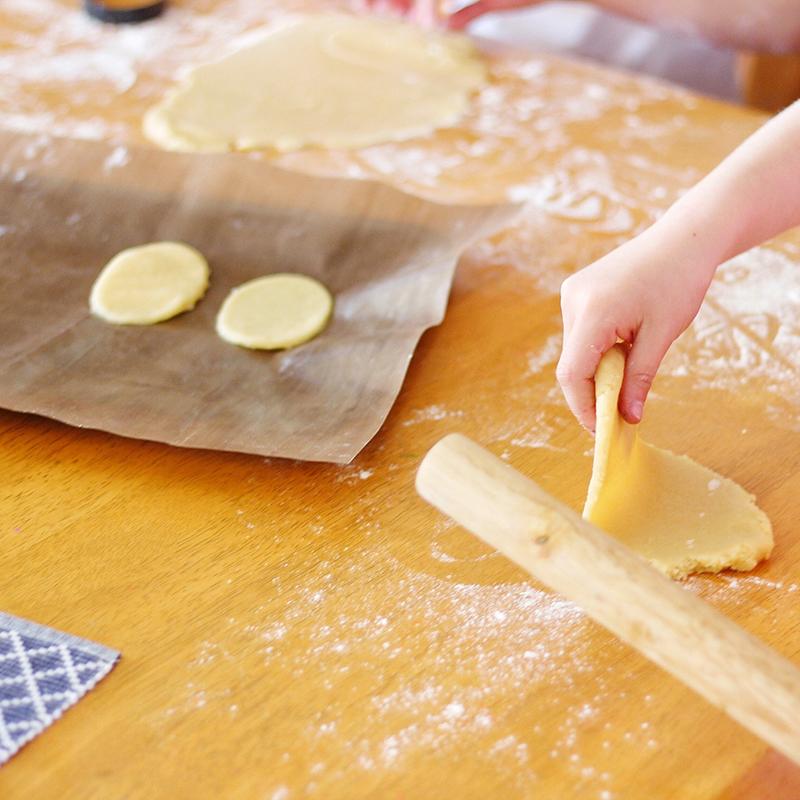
(42, 673)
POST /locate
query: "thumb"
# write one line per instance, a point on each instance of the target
(644, 359)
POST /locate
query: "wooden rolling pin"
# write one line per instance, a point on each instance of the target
(691, 640)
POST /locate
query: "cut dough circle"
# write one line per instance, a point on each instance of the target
(328, 81)
(679, 515)
(149, 283)
(275, 312)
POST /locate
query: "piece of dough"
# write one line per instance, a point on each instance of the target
(150, 283)
(275, 312)
(329, 81)
(681, 516)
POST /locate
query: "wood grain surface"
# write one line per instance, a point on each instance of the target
(727, 666)
(293, 630)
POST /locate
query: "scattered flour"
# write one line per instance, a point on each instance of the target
(490, 653)
(546, 355)
(746, 334)
(351, 475)
(119, 157)
(433, 413)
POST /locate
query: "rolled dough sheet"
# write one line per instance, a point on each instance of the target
(275, 312)
(150, 283)
(329, 81)
(681, 516)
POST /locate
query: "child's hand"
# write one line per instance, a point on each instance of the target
(649, 290)
(460, 19)
(645, 293)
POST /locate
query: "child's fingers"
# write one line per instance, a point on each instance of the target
(644, 358)
(424, 13)
(391, 6)
(460, 19)
(582, 351)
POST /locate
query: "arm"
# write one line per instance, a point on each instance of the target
(648, 291)
(771, 26)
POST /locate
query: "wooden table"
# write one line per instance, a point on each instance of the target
(296, 630)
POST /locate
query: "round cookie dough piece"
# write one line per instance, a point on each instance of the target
(275, 312)
(150, 283)
(678, 514)
(326, 81)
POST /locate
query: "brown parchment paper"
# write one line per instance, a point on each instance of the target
(66, 207)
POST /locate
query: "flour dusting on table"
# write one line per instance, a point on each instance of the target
(510, 671)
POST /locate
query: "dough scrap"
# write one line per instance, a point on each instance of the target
(275, 312)
(328, 81)
(681, 516)
(149, 283)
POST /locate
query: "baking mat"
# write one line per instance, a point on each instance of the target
(42, 673)
(66, 207)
